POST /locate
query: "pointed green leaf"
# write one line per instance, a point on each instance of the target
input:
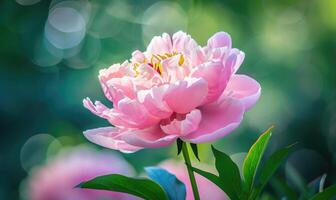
(217, 181)
(271, 165)
(228, 172)
(141, 187)
(195, 150)
(253, 158)
(179, 143)
(328, 193)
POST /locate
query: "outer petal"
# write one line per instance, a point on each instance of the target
(244, 88)
(112, 115)
(185, 95)
(109, 137)
(217, 75)
(218, 119)
(152, 137)
(235, 58)
(185, 126)
(115, 71)
(123, 85)
(119, 118)
(220, 39)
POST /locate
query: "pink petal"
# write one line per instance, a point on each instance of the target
(152, 137)
(152, 99)
(217, 77)
(172, 71)
(112, 115)
(136, 113)
(115, 71)
(160, 44)
(98, 108)
(197, 56)
(121, 86)
(185, 95)
(109, 137)
(185, 126)
(138, 57)
(218, 120)
(234, 59)
(220, 39)
(183, 42)
(244, 88)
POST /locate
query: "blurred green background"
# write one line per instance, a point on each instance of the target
(51, 52)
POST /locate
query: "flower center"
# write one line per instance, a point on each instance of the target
(156, 61)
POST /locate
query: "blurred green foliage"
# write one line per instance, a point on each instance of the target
(49, 64)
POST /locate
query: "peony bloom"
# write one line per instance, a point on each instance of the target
(57, 179)
(175, 89)
(206, 188)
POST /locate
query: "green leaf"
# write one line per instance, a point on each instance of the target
(217, 181)
(195, 150)
(326, 194)
(228, 172)
(271, 165)
(141, 187)
(179, 143)
(253, 158)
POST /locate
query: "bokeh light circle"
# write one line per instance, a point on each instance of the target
(88, 54)
(35, 150)
(27, 2)
(45, 54)
(303, 166)
(65, 27)
(163, 17)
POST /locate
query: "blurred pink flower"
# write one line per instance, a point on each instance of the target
(175, 89)
(206, 188)
(57, 179)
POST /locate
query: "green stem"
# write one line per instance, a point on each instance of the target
(190, 171)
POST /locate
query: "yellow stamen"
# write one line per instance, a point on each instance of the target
(181, 60)
(156, 61)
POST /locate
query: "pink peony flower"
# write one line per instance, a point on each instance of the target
(206, 188)
(57, 179)
(175, 89)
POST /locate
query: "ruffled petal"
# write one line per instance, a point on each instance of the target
(217, 75)
(152, 137)
(185, 95)
(234, 59)
(220, 39)
(173, 69)
(112, 115)
(116, 71)
(183, 42)
(109, 137)
(244, 88)
(184, 126)
(152, 99)
(160, 44)
(218, 120)
(136, 113)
